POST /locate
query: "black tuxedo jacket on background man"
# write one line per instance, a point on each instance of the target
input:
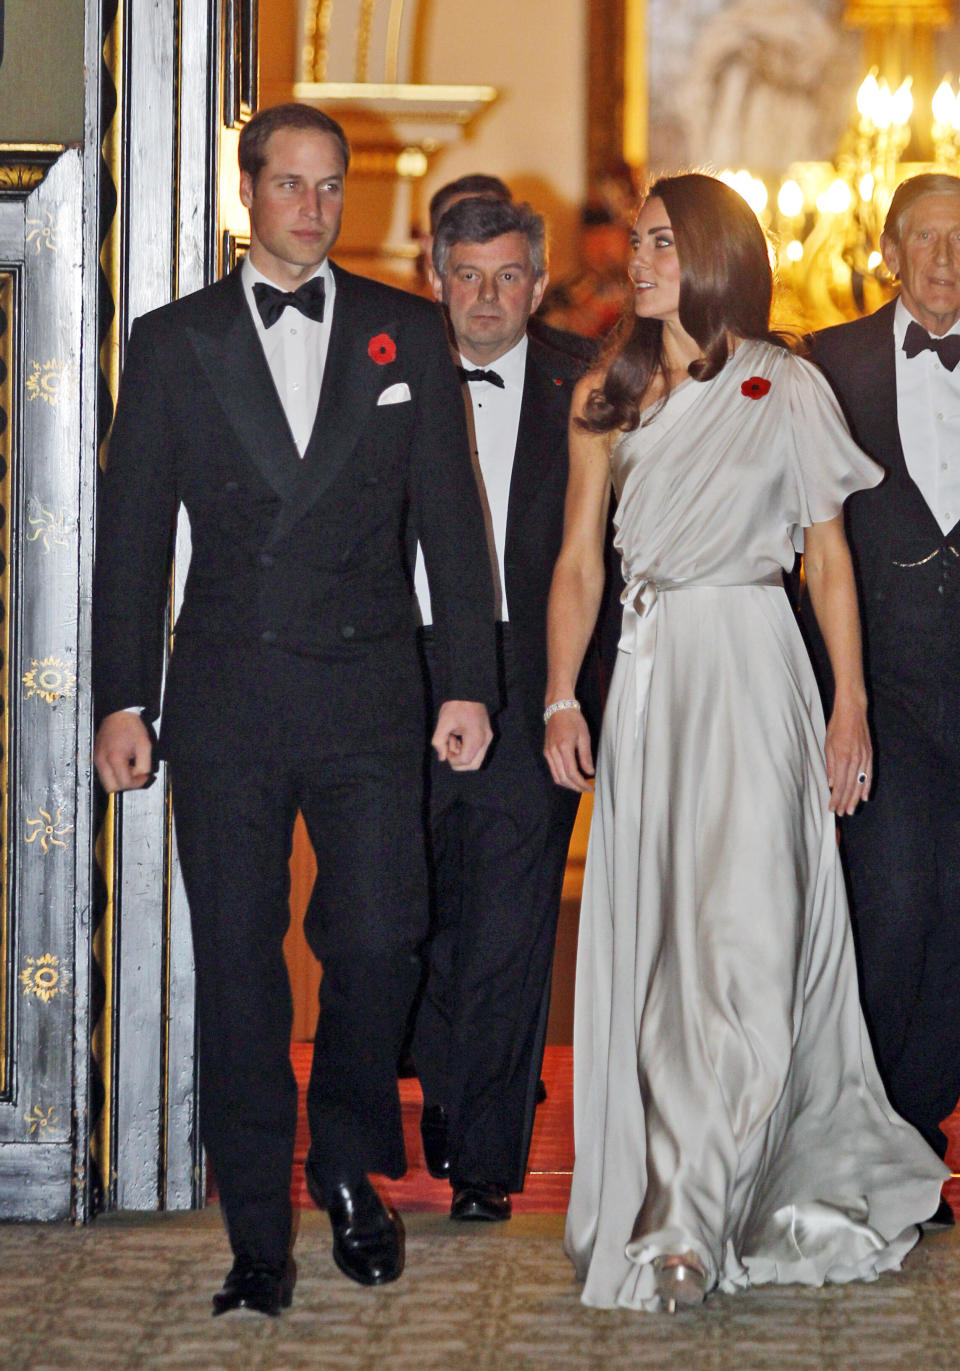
(500, 835)
(294, 683)
(903, 847)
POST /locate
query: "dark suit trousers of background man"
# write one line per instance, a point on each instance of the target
(500, 840)
(902, 848)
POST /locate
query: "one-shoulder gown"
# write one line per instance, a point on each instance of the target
(726, 1099)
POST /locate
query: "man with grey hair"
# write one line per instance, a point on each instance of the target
(897, 377)
(499, 844)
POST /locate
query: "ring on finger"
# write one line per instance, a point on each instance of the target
(862, 778)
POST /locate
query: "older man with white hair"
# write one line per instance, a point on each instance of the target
(897, 376)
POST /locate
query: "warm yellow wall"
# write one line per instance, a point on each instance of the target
(278, 43)
(532, 51)
(41, 78)
(535, 53)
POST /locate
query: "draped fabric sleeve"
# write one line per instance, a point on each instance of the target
(826, 464)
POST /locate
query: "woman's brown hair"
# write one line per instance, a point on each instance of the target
(726, 287)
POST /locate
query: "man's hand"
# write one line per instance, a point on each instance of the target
(462, 734)
(122, 752)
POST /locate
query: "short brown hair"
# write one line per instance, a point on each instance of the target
(255, 134)
(480, 219)
(911, 190)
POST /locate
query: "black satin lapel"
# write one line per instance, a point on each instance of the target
(536, 447)
(883, 361)
(351, 383)
(233, 360)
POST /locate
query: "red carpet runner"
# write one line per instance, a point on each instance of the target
(551, 1152)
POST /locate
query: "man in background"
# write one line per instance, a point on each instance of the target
(500, 836)
(897, 377)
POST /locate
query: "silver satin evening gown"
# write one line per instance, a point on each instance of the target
(726, 1099)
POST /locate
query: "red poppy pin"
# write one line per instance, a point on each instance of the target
(382, 349)
(755, 388)
(558, 380)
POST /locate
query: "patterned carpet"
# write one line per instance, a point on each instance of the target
(132, 1293)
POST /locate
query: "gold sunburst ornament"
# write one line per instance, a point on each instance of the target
(42, 233)
(48, 528)
(50, 380)
(39, 1121)
(51, 679)
(48, 828)
(42, 977)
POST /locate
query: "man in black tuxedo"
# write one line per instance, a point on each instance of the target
(303, 417)
(896, 376)
(499, 836)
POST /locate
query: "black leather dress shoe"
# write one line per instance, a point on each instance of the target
(942, 1218)
(368, 1237)
(484, 1200)
(435, 1135)
(254, 1286)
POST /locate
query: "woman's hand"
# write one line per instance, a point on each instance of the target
(567, 750)
(833, 594)
(849, 756)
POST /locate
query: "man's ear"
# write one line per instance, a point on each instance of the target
(246, 189)
(538, 289)
(891, 255)
(436, 283)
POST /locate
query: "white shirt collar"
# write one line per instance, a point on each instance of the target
(902, 319)
(511, 367)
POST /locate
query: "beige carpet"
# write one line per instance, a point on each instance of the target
(133, 1292)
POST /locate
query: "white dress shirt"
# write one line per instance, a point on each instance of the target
(928, 415)
(496, 423)
(296, 351)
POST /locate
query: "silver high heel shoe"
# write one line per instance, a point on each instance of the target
(681, 1281)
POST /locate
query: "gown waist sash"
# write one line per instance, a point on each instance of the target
(638, 635)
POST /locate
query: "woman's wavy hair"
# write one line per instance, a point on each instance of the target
(726, 287)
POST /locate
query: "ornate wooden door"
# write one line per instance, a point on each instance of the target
(97, 1056)
(45, 510)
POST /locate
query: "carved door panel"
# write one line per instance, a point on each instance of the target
(45, 509)
(98, 1095)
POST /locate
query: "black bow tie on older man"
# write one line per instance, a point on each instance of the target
(493, 377)
(917, 340)
(308, 299)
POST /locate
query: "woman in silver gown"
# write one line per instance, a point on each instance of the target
(730, 1125)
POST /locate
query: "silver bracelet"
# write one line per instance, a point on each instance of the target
(556, 707)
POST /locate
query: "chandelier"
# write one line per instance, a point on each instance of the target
(825, 218)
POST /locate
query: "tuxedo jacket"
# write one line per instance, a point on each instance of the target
(538, 485)
(908, 571)
(301, 555)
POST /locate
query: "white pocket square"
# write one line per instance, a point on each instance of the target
(394, 395)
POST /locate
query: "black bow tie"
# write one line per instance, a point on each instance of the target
(493, 377)
(271, 302)
(918, 340)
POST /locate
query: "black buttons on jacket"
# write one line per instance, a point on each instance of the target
(266, 559)
(269, 636)
(348, 631)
